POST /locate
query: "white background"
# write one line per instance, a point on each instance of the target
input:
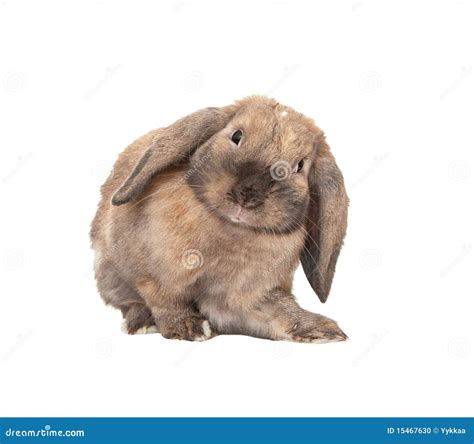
(390, 83)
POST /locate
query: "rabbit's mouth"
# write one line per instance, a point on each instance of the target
(241, 215)
(238, 214)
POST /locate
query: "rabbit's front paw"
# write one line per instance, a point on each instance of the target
(191, 328)
(316, 329)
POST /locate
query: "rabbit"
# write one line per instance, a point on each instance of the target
(202, 224)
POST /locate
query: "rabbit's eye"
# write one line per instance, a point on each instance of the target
(237, 136)
(299, 167)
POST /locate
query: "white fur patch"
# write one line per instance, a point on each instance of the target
(284, 113)
(97, 259)
(141, 331)
(147, 330)
(206, 328)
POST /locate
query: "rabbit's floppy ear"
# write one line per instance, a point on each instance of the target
(171, 145)
(327, 221)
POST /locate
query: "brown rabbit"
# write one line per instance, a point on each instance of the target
(202, 225)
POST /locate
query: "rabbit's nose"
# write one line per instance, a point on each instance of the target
(247, 196)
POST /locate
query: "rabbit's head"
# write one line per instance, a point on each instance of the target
(254, 172)
(258, 166)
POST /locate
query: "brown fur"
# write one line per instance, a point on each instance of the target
(169, 250)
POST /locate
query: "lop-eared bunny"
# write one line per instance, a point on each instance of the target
(202, 225)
